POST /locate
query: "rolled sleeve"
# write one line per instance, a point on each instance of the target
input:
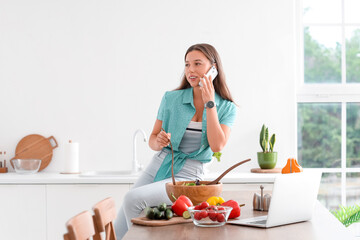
(161, 111)
(229, 114)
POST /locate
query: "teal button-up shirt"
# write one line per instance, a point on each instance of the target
(176, 111)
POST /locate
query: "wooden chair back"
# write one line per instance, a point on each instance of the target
(105, 214)
(80, 227)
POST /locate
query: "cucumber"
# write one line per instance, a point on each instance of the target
(168, 214)
(162, 207)
(156, 213)
(160, 215)
(150, 213)
(186, 215)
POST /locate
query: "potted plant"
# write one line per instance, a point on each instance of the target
(267, 158)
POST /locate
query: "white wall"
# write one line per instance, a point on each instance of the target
(95, 71)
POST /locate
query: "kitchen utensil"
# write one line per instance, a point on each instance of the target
(35, 146)
(266, 202)
(158, 223)
(259, 170)
(26, 166)
(197, 194)
(261, 202)
(210, 218)
(227, 171)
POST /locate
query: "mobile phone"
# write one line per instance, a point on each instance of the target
(212, 72)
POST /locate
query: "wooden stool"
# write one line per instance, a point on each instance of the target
(80, 227)
(105, 214)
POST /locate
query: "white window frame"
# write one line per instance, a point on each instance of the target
(342, 93)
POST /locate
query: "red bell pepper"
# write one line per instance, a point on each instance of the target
(235, 212)
(181, 204)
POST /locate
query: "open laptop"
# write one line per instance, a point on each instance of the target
(293, 200)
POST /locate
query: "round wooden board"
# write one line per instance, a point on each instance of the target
(37, 147)
(259, 170)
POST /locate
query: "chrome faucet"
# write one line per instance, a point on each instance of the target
(136, 167)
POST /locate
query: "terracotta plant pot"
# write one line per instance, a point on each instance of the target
(197, 194)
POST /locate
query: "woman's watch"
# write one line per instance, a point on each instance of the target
(209, 104)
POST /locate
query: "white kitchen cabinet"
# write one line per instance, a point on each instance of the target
(23, 212)
(255, 187)
(65, 201)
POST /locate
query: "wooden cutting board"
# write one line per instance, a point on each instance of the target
(259, 170)
(37, 147)
(157, 223)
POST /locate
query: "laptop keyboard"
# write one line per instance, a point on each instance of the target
(259, 222)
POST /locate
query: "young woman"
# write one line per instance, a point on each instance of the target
(197, 119)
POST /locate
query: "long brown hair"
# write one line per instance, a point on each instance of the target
(219, 82)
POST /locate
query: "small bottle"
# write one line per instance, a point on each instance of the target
(4, 158)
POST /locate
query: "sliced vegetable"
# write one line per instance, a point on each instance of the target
(186, 214)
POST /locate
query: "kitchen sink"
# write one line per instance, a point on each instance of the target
(108, 173)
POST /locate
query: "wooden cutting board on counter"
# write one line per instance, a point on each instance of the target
(36, 146)
(157, 223)
(259, 170)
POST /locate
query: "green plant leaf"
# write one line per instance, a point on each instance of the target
(266, 139)
(262, 137)
(348, 215)
(272, 142)
(217, 155)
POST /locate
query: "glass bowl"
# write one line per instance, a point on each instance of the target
(26, 166)
(213, 216)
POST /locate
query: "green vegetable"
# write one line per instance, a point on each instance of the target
(348, 215)
(168, 214)
(150, 213)
(156, 213)
(217, 155)
(161, 215)
(186, 215)
(162, 207)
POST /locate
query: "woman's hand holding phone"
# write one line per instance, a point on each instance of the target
(163, 139)
(207, 89)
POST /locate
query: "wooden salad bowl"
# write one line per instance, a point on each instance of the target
(197, 194)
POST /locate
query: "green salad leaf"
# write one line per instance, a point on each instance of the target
(217, 155)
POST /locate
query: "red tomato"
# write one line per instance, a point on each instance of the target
(204, 205)
(197, 207)
(197, 215)
(203, 214)
(220, 217)
(212, 215)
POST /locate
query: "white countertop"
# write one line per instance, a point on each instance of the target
(58, 178)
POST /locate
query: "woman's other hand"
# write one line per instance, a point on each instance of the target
(207, 89)
(159, 138)
(163, 139)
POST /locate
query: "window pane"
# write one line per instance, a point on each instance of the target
(353, 135)
(352, 11)
(322, 54)
(353, 54)
(352, 188)
(322, 11)
(330, 190)
(319, 135)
